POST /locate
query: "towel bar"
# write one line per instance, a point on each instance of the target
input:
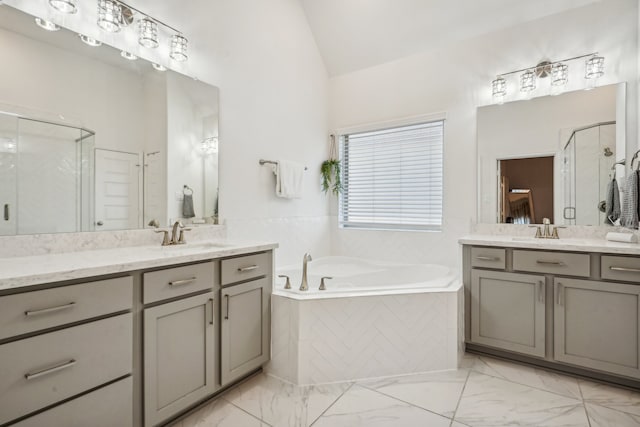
(272, 162)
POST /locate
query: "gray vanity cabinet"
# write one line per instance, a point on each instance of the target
(245, 326)
(178, 356)
(508, 311)
(597, 325)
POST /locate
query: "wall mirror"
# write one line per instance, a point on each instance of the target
(92, 141)
(550, 157)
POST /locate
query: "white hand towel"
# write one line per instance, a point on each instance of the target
(289, 177)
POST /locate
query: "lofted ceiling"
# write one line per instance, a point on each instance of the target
(356, 34)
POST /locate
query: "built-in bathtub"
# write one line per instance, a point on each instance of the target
(375, 319)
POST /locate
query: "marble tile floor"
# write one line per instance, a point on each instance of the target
(483, 392)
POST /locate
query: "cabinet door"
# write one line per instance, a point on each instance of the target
(244, 328)
(508, 311)
(596, 325)
(178, 356)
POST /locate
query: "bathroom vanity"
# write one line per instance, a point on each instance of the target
(571, 305)
(131, 336)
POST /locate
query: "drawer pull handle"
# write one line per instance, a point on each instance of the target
(182, 282)
(43, 372)
(487, 258)
(226, 316)
(249, 268)
(627, 269)
(49, 310)
(556, 263)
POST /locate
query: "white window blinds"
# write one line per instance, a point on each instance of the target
(392, 178)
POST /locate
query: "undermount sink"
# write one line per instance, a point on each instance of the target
(193, 246)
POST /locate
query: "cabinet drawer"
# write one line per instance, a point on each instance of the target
(32, 311)
(620, 268)
(177, 281)
(106, 407)
(42, 370)
(245, 268)
(488, 257)
(563, 263)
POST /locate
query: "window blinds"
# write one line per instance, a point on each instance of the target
(392, 178)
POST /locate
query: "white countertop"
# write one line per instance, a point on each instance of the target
(17, 272)
(567, 244)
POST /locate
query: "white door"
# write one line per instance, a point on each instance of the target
(118, 186)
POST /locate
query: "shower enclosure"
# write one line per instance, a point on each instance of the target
(588, 156)
(46, 177)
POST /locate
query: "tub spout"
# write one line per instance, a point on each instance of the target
(304, 286)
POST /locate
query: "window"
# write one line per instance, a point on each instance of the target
(392, 178)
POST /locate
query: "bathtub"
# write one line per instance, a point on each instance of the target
(375, 319)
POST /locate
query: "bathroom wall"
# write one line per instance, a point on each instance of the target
(456, 79)
(273, 105)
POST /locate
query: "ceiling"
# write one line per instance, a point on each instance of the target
(356, 34)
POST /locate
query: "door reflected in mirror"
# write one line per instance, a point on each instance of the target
(526, 190)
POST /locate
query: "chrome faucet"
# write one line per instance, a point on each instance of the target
(304, 286)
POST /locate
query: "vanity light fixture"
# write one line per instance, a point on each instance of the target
(559, 74)
(109, 15)
(148, 33)
(47, 25)
(527, 81)
(158, 67)
(90, 41)
(64, 6)
(178, 47)
(128, 55)
(594, 67)
(558, 70)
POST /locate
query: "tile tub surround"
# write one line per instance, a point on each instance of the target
(483, 392)
(17, 272)
(41, 244)
(342, 339)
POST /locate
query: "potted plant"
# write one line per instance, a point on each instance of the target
(330, 170)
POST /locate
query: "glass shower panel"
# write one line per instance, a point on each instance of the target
(87, 166)
(569, 173)
(8, 174)
(49, 182)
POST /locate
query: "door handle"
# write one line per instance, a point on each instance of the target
(226, 316)
(541, 291)
(100, 223)
(6, 212)
(559, 290)
(212, 313)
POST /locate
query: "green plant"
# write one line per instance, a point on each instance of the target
(330, 171)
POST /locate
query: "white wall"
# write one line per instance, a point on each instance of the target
(273, 105)
(457, 80)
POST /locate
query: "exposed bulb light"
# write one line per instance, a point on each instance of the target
(109, 15)
(527, 81)
(128, 55)
(89, 40)
(47, 25)
(559, 74)
(178, 48)
(148, 33)
(158, 67)
(64, 6)
(594, 67)
(499, 88)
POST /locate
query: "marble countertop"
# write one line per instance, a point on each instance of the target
(566, 244)
(18, 272)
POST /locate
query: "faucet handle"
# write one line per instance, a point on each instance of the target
(181, 240)
(165, 238)
(287, 285)
(554, 233)
(538, 231)
(322, 286)
(546, 221)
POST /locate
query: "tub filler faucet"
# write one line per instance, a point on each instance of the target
(304, 286)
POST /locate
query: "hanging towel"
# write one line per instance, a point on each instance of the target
(288, 179)
(187, 206)
(612, 212)
(629, 217)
